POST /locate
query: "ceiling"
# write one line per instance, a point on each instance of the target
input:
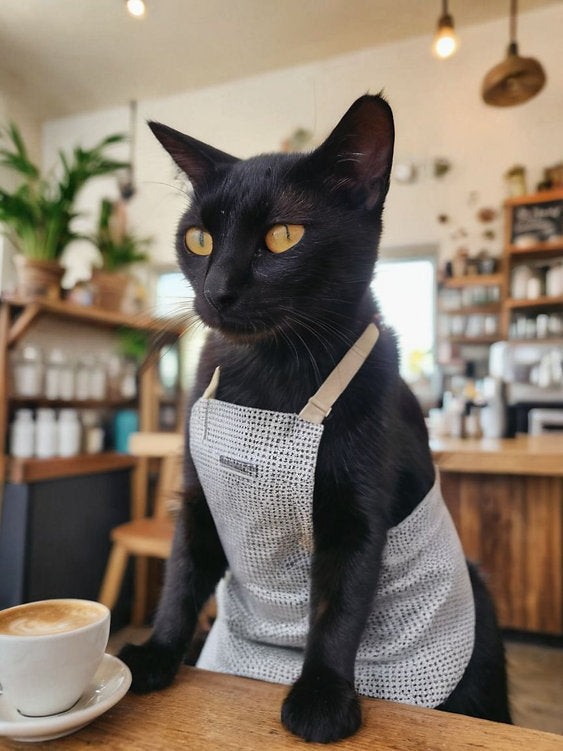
(61, 57)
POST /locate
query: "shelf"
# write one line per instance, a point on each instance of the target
(487, 309)
(472, 339)
(36, 470)
(541, 250)
(539, 197)
(538, 302)
(553, 341)
(32, 309)
(41, 401)
(473, 280)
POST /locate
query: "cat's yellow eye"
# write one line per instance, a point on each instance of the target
(198, 241)
(282, 237)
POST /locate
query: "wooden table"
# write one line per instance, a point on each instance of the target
(205, 711)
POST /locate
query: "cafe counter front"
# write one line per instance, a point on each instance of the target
(506, 499)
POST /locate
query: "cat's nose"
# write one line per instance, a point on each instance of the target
(219, 297)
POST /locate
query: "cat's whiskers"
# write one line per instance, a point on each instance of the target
(309, 325)
(308, 350)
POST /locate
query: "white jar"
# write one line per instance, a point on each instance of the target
(82, 378)
(69, 433)
(97, 385)
(45, 433)
(22, 436)
(554, 281)
(28, 371)
(66, 381)
(53, 372)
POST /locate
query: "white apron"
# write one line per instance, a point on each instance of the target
(257, 470)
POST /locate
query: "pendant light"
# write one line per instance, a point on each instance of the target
(136, 8)
(516, 79)
(445, 42)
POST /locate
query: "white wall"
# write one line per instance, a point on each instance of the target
(11, 111)
(438, 112)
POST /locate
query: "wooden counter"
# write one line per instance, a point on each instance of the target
(205, 711)
(506, 499)
(523, 455)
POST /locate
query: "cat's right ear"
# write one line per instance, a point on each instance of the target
(197, 159)
(357, 155)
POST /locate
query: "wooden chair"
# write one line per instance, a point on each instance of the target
(145, 536)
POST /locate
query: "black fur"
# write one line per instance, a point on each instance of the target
(279, 325)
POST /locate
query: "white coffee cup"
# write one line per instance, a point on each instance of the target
(49, 653)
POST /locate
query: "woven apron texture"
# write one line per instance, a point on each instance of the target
(257, 470)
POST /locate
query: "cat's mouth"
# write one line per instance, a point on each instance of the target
(237, 329)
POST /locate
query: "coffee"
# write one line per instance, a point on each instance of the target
(49, 617)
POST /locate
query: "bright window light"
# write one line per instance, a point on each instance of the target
(173, 294)
(405, 290)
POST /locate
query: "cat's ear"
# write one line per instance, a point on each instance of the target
(357, 155)
(198, 160)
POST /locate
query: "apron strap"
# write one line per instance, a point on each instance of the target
(320, 404)
(211, 389)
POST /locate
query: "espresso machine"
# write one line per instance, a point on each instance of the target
(531, 374)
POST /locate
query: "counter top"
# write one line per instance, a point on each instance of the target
(205, 711)
(523, 455)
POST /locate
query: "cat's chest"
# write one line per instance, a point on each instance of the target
(268, 388)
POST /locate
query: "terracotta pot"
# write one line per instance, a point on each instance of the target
(109, 289)
(38, 279)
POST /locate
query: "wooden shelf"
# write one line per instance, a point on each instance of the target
(554, 341)
(473, 280)
(544, 250)
(41, 401)
(34, 308)
(486, 309)
(472, 339)
(35, 470)
(538, 197)
(539, 302)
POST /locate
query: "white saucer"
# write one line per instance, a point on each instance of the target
(110, 684)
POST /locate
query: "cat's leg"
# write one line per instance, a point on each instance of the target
(482, 691)
(323, 705)
(196, 564)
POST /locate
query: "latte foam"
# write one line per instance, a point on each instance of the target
(49, 617)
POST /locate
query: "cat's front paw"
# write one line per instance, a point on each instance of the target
(322, 708)
(152, 666)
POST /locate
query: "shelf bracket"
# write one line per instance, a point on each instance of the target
(23, 322)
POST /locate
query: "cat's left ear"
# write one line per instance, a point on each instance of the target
(197, 159)
(357, 155)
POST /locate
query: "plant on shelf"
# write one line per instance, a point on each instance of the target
(119, 248)
(38, 213)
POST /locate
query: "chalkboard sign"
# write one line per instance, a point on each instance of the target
(537, 222)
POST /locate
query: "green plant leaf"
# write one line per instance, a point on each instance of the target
(39, 212)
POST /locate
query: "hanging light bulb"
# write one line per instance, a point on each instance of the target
(445, 41)
(136, 8)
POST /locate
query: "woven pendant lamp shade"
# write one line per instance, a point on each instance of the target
(516, 79)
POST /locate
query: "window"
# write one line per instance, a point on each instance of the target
(172, 294)
(405, 288)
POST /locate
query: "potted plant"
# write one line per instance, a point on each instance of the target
(118, 248)
(38, 213)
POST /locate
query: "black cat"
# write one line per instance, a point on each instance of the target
(280, 251)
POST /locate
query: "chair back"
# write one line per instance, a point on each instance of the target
(169, 448)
